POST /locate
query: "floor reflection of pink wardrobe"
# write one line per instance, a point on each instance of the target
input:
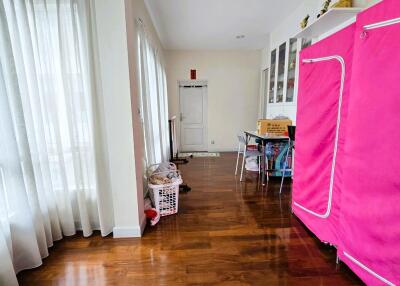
(347, 181)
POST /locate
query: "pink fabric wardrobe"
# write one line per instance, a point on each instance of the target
(347, 179)
(370, 203)
(324, 88)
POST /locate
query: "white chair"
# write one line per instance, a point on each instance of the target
(243, 149)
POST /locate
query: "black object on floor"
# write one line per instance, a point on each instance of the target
(292, 132)
(184, 188)
(177, 160)
(172, 139)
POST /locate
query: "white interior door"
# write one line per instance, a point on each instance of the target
(193, 117)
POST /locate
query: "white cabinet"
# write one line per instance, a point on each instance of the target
(281, 75)
(272, 72)
(282, 96)
(291, 70)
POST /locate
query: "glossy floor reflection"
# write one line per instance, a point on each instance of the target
(226, 233)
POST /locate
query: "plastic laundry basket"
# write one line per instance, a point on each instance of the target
(165, 197)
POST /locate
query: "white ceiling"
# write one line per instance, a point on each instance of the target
(214, 24)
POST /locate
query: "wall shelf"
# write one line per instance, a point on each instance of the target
(331, 19)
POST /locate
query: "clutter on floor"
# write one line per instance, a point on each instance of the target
(151, 213)
(252, 164)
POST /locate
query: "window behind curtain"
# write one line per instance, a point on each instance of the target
(51, 183)
(49, 72)
(153, 100)
(58, 78)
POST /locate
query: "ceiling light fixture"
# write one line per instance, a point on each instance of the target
(240, 37)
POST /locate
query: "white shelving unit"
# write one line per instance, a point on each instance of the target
(285, 106)
(330, 20)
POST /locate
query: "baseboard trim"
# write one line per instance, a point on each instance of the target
(222, 150)
(126, 232)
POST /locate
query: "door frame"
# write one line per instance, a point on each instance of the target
(264, 92)
(204, 85)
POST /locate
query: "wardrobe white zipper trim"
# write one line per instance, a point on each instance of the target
(382, 24)
(376, 275)
(331, 183)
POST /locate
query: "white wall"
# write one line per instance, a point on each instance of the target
(116, 92)
(265, 58)
(291, 25)
(233, 90)
(117, 63)
(136, 9)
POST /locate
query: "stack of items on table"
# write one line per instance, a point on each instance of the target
(163, 182)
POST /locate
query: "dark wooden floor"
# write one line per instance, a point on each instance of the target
(226, 233)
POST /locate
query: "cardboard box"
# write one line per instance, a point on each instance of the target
(277, 127)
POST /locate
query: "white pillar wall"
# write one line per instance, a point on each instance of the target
(116, 92)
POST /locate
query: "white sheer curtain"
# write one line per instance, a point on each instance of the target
(154, 101)
(53, 179)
